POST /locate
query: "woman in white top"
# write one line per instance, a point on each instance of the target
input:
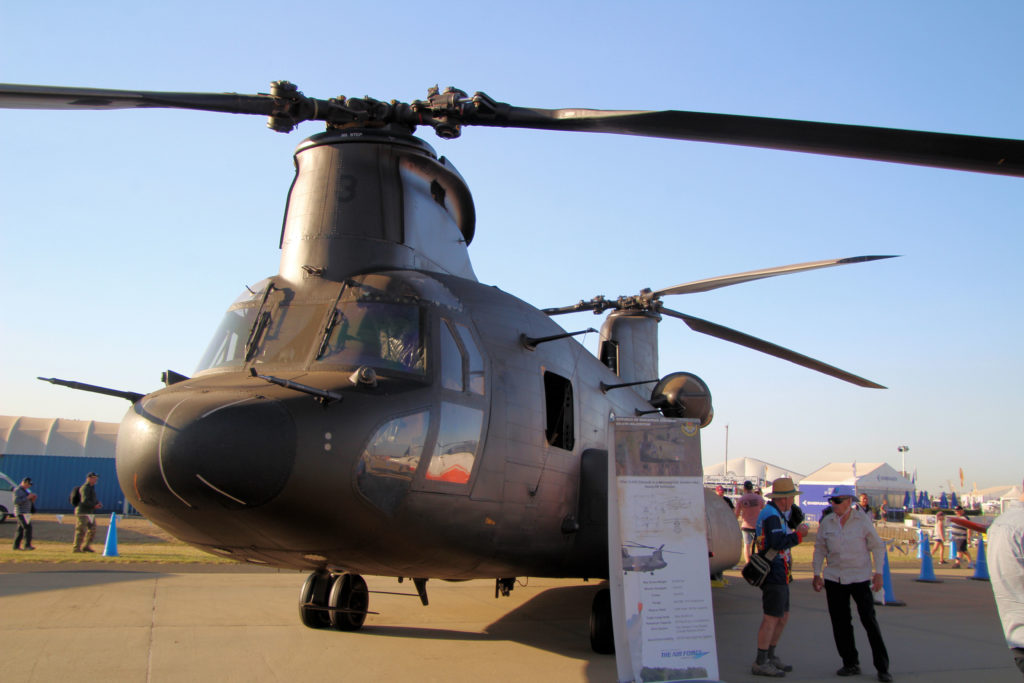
(940, 536)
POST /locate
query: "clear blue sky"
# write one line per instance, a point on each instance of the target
(124, 235)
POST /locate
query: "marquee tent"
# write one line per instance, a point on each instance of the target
(742, 469)
(877, 479)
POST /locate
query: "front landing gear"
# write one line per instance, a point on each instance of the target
(313, 600)
(602, 637)
(340, 601)
(348, 602)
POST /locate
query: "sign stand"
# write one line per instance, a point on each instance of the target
(658, 553)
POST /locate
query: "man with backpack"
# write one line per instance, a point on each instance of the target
(773, 534)
(85, 509)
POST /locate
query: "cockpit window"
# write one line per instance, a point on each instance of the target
(391, 459)
(457, 442)
(382, 335)
(227, 349)
(451, 361)
(289, 334)
(476, 361)
(231, 341)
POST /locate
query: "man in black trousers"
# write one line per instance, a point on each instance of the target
(847, 545)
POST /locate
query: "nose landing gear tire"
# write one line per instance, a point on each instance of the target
(313, 600)
(602, 637)
(349, 601)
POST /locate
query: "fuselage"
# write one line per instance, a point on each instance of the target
(375, 409)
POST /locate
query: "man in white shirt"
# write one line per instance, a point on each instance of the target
(1006, 566)
(848, 545)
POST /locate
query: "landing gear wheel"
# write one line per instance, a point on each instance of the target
(312, 596)
(349, 601)
(602, 637)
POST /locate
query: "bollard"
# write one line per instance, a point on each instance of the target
(888, 597)
(927, 570)
(110, 547)
(981, 565)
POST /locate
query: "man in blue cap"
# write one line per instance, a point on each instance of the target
(844, 550)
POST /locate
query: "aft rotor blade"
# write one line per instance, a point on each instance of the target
(743, 339)
(737, 278)
(1000, 156)
(14, 96)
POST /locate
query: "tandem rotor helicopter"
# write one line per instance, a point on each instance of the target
(375, 409)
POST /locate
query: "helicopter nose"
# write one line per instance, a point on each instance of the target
(205, 450)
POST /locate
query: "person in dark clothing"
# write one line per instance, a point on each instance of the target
(85, 529)
(773, 533)
(24, 502)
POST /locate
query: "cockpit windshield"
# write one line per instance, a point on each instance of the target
(363, 326)
(382, 335)
(229, 343)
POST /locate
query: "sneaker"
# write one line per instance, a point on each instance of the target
(849, 671)
(17, 548)
(30, 547)
(766, 669)
(88, 550)
(884, 676)
(777, 663)
(76, 550)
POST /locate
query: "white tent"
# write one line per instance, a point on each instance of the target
(993, 494)
(877, 479)
(742, 469)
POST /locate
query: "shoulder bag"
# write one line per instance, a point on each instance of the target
(760, 565)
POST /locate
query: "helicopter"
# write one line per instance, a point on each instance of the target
(374, 409)
(644, 563)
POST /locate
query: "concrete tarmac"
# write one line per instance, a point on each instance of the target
(202, 623)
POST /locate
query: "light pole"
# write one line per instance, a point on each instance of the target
(903, 453)
(726, 450)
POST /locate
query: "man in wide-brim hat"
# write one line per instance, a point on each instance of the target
(773, 533)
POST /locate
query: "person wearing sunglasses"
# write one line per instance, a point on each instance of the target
(848, 557)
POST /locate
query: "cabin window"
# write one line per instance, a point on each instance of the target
(457, 442)
(560, 429)
(390, 460)
(610, 355)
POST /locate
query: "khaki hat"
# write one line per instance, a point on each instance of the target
(783, 487)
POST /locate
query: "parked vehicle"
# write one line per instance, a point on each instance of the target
(7, 486)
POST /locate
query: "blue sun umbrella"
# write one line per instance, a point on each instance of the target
(943, 503)
(952, 500)
(906, 500)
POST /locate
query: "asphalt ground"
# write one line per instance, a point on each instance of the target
(88, 621)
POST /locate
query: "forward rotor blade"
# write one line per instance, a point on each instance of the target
(14, 96)
(943, 150)
(737, 278)
(743, 339)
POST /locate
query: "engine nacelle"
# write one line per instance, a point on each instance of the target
(683, 394)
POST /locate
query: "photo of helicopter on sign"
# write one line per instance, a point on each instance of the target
(374, 409)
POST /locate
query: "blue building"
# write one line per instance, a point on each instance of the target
(57, 454)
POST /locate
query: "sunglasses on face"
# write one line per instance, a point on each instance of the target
(838, 499)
